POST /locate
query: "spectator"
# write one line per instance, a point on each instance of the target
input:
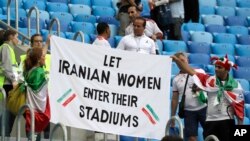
(191, 11)
(37, 90)
(195, 107)
(171, 138)
(225, 97)
(138, 41)
(9, 73)
(103, 35)
(122, 15)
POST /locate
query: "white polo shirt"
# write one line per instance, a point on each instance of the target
(100, 41)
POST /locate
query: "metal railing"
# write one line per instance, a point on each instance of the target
(19, 115)
(37, 19)
(65, 137)
(55, 20)
(79, 33)
(179, 123)
(211, 137)
(8, 13)
(3, 114)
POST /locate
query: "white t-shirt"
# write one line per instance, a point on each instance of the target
(100, 41)
(140, 44)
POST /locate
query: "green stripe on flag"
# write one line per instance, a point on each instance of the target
(152, 111)
(64, 95)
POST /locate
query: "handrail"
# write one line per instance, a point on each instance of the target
(24, 37)
(8, 13)
(37, 19)
(3, 114)
(211, 137)
(19, 115)
(79, 33)
(58, 25)
(178, 121)
(65, 138)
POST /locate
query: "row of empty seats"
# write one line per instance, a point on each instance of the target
(224, 11)
(229, 3)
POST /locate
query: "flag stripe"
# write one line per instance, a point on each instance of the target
(69, 100)
(148, 115)
(152, 112)
(64, 95)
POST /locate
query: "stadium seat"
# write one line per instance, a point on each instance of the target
(3, 3)
(159, 45)
(206, 10)
(108, 20)
(24, 23)
(44, 15)
(242, 50)
(235, 20)
(85, 27)
(114, 5)
(57, 7)
(210, 69)
(103, 11)
(38, 3)
(85, 18)
(174, 46)
(229, 3)
(243, 61)
(199, 47)
(237, 30)
(197, 66)
(105, 3)
(212, 19)
(193, 27)
(185, 36)
(59, 1)
(145, 9)
(244, 39)
(175, 70)
(208, 2)
(243, 12)
(25, 32)
(199, 58)
(225, 11)
(113, 29)
(242, 72)
(200, 36)
(244, 84)
(45, 33)
(243, 3)
(247, 109)
(200, 134)
(222, 48)
(21, 12)
(225, 38)
(84, 2)
(76, 9)
(64, 18)
(117, 40)
(70, 35)
(214, 28)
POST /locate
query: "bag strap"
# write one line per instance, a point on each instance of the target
(185, 87)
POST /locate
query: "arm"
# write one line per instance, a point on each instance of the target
(174, 104)
(47, 44)
(183, 66)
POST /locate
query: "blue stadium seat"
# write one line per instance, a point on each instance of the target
(113, 29)
(197, 66)
(214, 28)
(64, 18)
(25, 31)
(70, 35)
(185, 36)
(247, 109)
(229, 3)
(210, 69)
(174, 46)
(38, 3)
(246, 121)
(237, 30)
(44, 15)
(85, 18)
(222, 48)
(57, 7)
(21, 12)
(114, 5)
(206, 10)
(145, 9)
(105, 3)
(243, 3)
(198, 47)
(235, 20)
(225, 11)
(76, 9)
(103, 11)
(247, 97)
(242, 50)
(85, 2)
(128, 138)
(200, 134)
(193, 27)
(208, 2)
(199, 58)
(24, 23)
(3, 3)
(244, 84)
(212, 19)
(45, 33)
(85, 27)
(200, 36)
(117, 40)
(242, 72)
(244, 39)
(108, 20)
(243, 61)
(225, 38)
(59, 1)
(159, 45)
(243, 12)
(175, 69)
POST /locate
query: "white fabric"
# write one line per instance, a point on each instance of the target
(100, 41)
(142, 44)
(69, 99)
(177, 9)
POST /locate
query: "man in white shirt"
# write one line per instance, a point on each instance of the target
(138, 41)
(103, 35)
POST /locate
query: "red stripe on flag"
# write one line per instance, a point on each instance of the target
(148, 115)
(69, 100)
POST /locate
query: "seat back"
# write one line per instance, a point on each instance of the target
(76, 9)
(244, 39)
(225, 38)
(212, 19)
(222, 48)
(214, 28)
(225, 11)
(242, 50)
(200, 36)
(198, 47)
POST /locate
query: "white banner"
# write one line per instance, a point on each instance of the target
(109, 90)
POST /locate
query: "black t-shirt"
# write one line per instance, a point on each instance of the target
(124, 8)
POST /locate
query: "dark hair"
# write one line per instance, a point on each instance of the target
(2, 31)
(141, 18)
(102, 27)
(33, 37)
(171, 138)
(33, 56)
(5, 35)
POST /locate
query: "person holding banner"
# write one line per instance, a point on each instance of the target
(37, 90)
(225, 97)
(103, 35)
(195, 101)
(138, 41)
